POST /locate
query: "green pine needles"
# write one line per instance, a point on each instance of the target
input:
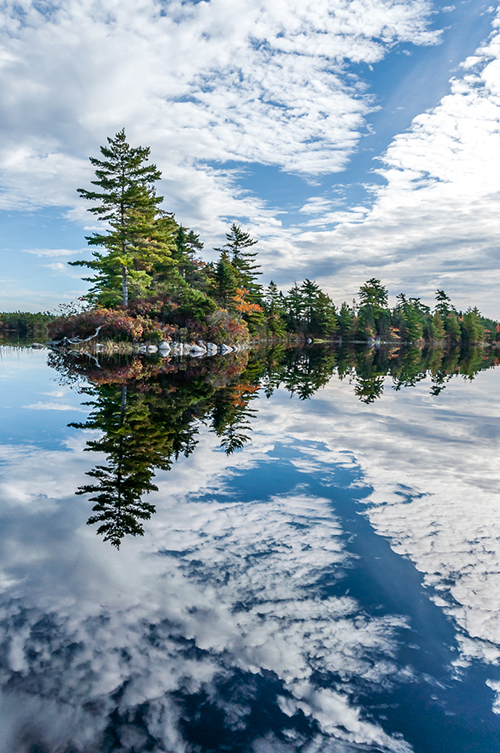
(140, 236)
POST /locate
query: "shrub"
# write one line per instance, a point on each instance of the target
(223, 328)
(114, 323)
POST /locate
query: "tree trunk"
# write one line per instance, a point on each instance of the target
(123, 405)
(124, 286)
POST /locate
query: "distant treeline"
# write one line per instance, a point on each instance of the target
(21, 325)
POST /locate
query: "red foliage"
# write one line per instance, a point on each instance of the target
(116, 324)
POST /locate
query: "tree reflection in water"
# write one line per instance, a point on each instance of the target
(149, 412)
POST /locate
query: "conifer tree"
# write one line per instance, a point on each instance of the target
(274, 307)
(309, 291)
(325, 316)
(438, 327)
(443, 304)
(237, 246)
(225, 280)
(374, 316)
(472, 326)
(294, 307)
(345, 317)
(140, 237)
(187, 246)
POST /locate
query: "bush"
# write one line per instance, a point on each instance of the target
(223, 328)
(114, 323)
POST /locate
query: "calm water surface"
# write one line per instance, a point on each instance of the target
(314, 575)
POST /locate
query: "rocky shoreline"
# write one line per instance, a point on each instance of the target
(165, 349)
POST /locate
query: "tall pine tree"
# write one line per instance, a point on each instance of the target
(140, 236)
(237, 247)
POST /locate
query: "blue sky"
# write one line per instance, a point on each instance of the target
(352, 139)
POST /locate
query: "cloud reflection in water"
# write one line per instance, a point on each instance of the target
(238, 621)
(229, 615)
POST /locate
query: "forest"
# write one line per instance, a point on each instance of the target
(23, 325)
(150, 284)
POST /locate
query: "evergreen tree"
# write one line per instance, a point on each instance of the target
(374, 316)
(472, 326)
(309, 291)
(345, 317)
(237, 246)
(324, 319)
(443, 304)
(439, 333)
(411, 316)
(140, 237)
(192, 269)
(224, 280)
(452, 327)
(274, 308)
(373, 295)
(294, 303)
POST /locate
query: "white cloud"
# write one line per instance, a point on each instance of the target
(434, 225)
(57, 266)
(202, 560)
(53, 406)
(246, 81)
(221, 80)
(315, 205)
(432, 464)
(50, 252)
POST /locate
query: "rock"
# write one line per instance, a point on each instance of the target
(143, 349)
(211, 349)
(152, 349)
(224, 349)
(99, 347)
(37, 346)
(196, 350)
(164, 349)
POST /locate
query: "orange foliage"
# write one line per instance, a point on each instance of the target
(242, 392)
(244, 307)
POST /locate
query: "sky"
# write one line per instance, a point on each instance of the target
(351, 139)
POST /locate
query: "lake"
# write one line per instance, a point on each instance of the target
(267, 553)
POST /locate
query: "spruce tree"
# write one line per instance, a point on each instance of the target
(294, 307)
(237, 246)
(309, 291)
(345, 318)
(187, 245)
(374, 316)
(274, 308)
(324, 316)
(224, 281)
(443, 304)
(140, 237)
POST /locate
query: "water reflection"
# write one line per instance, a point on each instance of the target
(268, 609)
(149, 413)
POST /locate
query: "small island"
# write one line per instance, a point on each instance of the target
(152, 292)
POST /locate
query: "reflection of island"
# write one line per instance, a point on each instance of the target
(149, 412)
